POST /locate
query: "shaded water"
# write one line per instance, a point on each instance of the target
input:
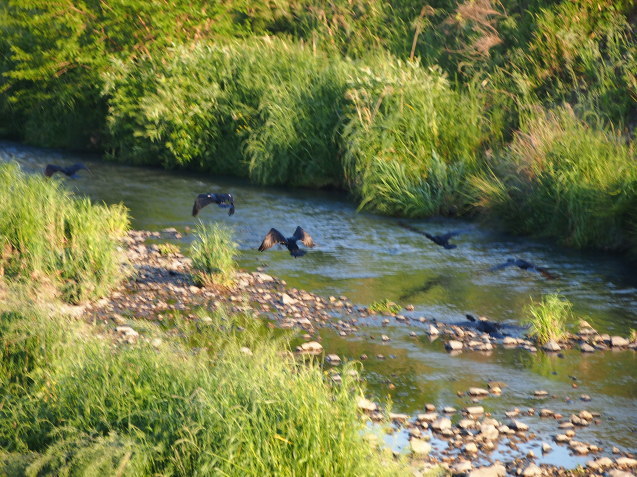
(369, 257)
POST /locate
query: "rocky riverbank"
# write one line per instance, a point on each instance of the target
(159, 282)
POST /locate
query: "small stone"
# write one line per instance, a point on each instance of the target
(496, 470)
(562, 438)
(586, 415)
(477, 392)
(489, 432)
(156, 342)
(541, 393)
(552, 346)
(531, 470)
(430, 407)
(619, 473)
(466, 423)
(471, 448)
(546, 448)
(441, 424)
(449, 410)
(586, 348)
(432, 330)
(585, 397)
(385, 338)
(245, 350)
(518, 425)
(399, 417)
(626, 462)
(508, 341)
(474, 410)
(333, 359)
(427, 417)
(420, 446)
(287, 299)
(366, 405)
(461, 467)
(311, 347)
(453, 345)
(599, 463)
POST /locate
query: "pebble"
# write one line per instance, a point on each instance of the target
(419, 446)
(477, 392)
(496, 470)
(531, 470)
(461, 467)
(366, 405)
(552, 346)
(471, 448)
(441, 424)
(311, 347)
(453, 345)
(333, 359)
(474, 410)
(546, 448)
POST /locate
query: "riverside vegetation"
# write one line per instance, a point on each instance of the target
(520, 111)
(221, 393)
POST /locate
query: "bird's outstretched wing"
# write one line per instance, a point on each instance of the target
(545, 273)
(72, 170)
(501, 266)
(449, 235)
(272, 238)
(413, 229)
(304, 237)
(51, 169)
(201, 201)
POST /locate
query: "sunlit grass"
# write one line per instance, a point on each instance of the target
(548, 318)
(385, 306)
(213, 255)
(49, 236)
(71, 402)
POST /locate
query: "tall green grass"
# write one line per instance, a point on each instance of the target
(548, 318)
(52, 238)
(139, 410)
(562, 178)
(213, 255)
(410, 140)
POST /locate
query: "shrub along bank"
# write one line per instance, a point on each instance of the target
(405, 106)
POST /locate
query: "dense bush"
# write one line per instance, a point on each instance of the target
(49, 237)
(562, 178)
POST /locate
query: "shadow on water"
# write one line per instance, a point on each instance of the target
(369, 257)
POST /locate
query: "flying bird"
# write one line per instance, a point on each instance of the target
(224, 201)
(524, 265)
(274, 237)
(442, 240)
(70, 171)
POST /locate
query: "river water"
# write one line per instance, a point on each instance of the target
(369, 257)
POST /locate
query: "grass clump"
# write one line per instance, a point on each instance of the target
(50, 237)
(213, 255)
(167, 249)
(562, 178)
(385, 306)
(138, 410)
(549, 317)
(410, 139)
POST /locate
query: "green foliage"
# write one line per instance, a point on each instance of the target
(384, 306)
(48, 236)
(213, 255)
(167, 249)
(96, 409)
(410, 139)
(549, 317)
(563, 178)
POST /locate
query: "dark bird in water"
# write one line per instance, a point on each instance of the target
(442, 240)
(70, 171)
(274, 237)
(524, 265)
(224, 201)
(484, 325)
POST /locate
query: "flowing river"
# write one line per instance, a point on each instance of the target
(369, 257)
